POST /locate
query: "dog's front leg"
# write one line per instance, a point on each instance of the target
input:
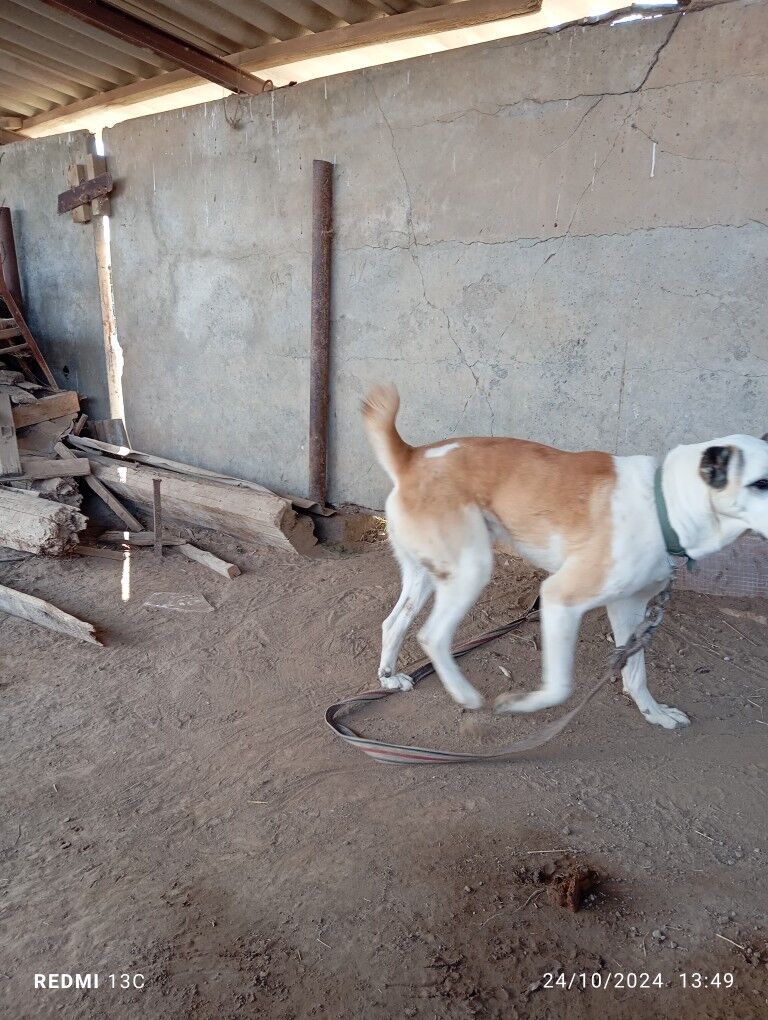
(560, 624)
(625, 615)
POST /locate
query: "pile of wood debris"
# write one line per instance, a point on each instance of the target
(49, 449)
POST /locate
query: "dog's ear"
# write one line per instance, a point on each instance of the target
(714, 466)
(765, 438)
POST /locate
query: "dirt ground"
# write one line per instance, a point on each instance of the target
(174, 807)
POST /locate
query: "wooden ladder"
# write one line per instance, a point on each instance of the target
(16, 327)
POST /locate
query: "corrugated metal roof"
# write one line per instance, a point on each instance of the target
(50, 59)
(58, 72)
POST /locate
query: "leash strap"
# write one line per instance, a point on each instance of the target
(403, 754)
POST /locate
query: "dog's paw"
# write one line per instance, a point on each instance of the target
(664, 715)
(533, 702)
(397, 682)
(471, 699)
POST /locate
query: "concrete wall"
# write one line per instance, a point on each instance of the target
(561, 237)
(57, 264)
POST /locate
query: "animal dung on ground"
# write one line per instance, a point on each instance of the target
(179, 602)
(569, 888)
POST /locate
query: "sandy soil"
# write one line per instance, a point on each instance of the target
(175, 807)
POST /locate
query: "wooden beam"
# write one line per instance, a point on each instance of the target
(33, 524)
(34, 610)
(56, 406)
(140, 33)
(252, 516)
(76, 176)
(394, 28)
(208, 559)
(9, 137)
(36, 468)
(126, 453)
(19, 351)
(9, 450)
(103, 493)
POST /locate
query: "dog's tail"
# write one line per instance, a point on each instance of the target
(380, 409)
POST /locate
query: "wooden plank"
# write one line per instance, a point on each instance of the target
(35, 610)
(126, 453)
(56, 406)
(9, 137)
(38, 467)
(18, 351)
(85, 192)
(76, 176)
(138, 538)
(253, 516)
(17, 394)
(79, 425)
(209, 560)
(95, 165)
(38, 440)
(410, 25)
(8, 333)
(10, 463)
(103, 493)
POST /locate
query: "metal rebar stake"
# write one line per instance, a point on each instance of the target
(158, 518)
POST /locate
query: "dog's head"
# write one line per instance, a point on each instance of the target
(735, 473)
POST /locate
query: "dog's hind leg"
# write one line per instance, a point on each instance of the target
(625, 615)
(417, 587)
(458, 585)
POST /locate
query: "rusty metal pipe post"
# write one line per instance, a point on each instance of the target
(157, 518)
(320, 341)
(9, 267)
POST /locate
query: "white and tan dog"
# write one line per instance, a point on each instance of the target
(589, 519)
